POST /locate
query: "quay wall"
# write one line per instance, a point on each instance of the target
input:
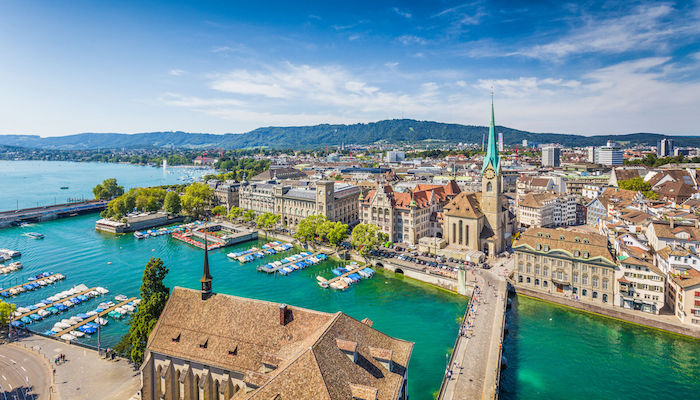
(46, 213)
(637, 317)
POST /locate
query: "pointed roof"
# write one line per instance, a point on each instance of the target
(206, 276)
(492, 149)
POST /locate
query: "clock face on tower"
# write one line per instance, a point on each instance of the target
(490, 174)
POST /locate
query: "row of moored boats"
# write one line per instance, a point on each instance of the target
(9, 268)
(348, 280)
(56, 304)
(34, 282)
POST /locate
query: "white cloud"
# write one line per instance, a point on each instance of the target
(408, 40)
(647, 27)
(353, 37)
(633, 96)
(176, 72)
(402, 13)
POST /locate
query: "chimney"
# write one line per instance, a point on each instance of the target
(283, 314)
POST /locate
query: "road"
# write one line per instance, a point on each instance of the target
(23, 375)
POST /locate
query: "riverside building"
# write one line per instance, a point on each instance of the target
(571, 264)
(209, 346)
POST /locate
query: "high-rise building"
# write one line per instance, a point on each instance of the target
(393, 156)
(610, 154)
(592, 154)
(664, 148)
(525, 143)
(551, 156)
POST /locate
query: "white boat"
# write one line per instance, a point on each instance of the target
(136, 302)
(67, 337)
(75, 320)
(120, 297)
(91, 313)
(101, 290)
(100, 321)
(77, 333)
(129, 308)
(59, 326)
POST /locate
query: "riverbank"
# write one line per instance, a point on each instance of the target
(661, 322)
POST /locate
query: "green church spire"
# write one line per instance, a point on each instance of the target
(492, 148)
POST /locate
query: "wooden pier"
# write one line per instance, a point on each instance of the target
(51, 305)
(28, 282)
(354, 271)
(94, 317)
(275, 269)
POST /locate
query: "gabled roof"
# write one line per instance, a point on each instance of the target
(536, 200)
(310, 363)
(464, 205)
(566, 241)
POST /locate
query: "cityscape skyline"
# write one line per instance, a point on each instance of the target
(220, 68)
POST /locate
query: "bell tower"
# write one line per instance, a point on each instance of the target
(491, 188)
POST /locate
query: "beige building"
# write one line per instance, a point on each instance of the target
(208, 346)
(683, 296)
(641, 285)
(335, 201)
(571, 264)
(479, 221)
(407, 217)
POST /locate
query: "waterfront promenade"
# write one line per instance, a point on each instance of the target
(84, 375)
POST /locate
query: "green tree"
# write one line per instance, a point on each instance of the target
(235, 213)
(219, 210)
(267, 221)
(172, 203)
(108, 189)
(154, 295)
(337, 233)
(248, 215)
(6, 311)
(308, 228)
(637, 184)
(196, 199)
(365, 238)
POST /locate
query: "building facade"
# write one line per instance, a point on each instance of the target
(610, 155)
(565, 263)
(551, 156)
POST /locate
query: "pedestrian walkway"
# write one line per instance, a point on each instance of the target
(475, 366)
(85, 375)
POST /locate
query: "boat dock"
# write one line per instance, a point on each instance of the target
(36, 214)
(272, 270)
(32, 281)
(327, 283)
(51, 305)
(94, 317)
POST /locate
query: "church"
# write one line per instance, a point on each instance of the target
(479, 221)
(211, 346)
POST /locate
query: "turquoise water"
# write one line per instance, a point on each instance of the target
(402, 308)
(26, 184)
(554, 352)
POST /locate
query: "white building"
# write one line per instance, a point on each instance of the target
(395, 156)
(611, 154)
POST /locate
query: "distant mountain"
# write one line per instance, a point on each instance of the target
(388, 131)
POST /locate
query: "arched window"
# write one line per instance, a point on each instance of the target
(489, 187)
(460, 231)
(466, 240)
(454, 233)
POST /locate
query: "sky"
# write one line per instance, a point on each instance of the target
(584, 67)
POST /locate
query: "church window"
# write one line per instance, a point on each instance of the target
(466, 241)
(454, 233)
(489, 187)
(460, 231)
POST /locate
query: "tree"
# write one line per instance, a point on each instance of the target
(154, 295)
(365, 238)
(196, 199)
(338, 233)
(308, 228)
(639, 185)
(235, 213)
(6, 311)
(108, 189)
(219, 210)
(172, 203)
(248, 215)
(267, 221)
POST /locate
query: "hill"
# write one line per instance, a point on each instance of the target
(387, 131)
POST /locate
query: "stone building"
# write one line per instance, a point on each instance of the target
(226, 193)
(479, 221)
(567, 263)
(335, 201)
(208, 346)
(407, 217)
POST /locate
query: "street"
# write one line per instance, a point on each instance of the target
(23, 375)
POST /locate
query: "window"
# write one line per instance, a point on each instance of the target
(528, 268)
(537, 269)
(605, 298)
(489, 187)
(546, 271)
(595, 295)
(520, 267)
(584, 279)
(537, 282)
(574, 290)
(520, 278)
(605, 284)
(595, 281)
(544, 283)
(528, 279)
(584, 292)
(574, 278)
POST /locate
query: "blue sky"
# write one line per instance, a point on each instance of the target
(580, 67)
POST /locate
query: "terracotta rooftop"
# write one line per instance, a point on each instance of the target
(664, 231)
(310, 363)
(688, 280)
(424, 195)
(536, 200)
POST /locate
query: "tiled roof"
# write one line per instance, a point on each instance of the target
(464, 205)
(688, 280)
(664, 231)
(536, 200)
(560, 239)
(422, 194)
(240, 334)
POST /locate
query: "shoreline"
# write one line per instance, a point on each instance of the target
(612, 314)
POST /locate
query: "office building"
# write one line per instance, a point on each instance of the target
(664, 148)
(551, 156)
(395, 156)
(610, 154)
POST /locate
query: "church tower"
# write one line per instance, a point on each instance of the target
(206, 277)
(492, 190)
